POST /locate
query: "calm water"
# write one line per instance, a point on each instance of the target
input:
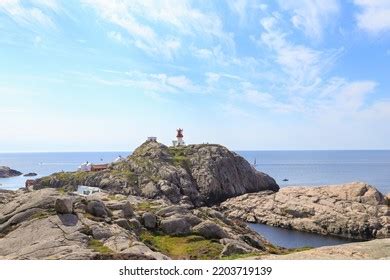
(293, 239)
(311, 168)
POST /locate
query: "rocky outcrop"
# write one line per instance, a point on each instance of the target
(354, 210)
(194, 175)
(378, 249)
(30, 174)
(6, 172)
(53, 224)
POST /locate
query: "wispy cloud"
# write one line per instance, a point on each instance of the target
(311, 16)
(28, 14)
(157, 27)
(303, 65)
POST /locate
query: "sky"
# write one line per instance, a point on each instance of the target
(102, 75)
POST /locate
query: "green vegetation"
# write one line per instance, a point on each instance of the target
(98, 246)
(283, 251)
(178, 156)
(116, 197)
(147, 206)
(183, 247)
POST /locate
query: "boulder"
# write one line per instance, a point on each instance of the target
(175, 226)
(124, 223)
(99, 232)
(135, 226)
(210, 230)
(149, 220)
(97, 209)
(127, 210)
(233, 247)
(64, 205)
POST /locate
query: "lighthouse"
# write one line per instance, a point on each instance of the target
(179, 137)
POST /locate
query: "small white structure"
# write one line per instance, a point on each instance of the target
(86, 190)
(179, 137)
(86, 166)
(152, 139)
(119, 159)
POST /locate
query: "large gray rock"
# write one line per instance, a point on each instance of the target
(64, 205)
(210, 230)
(195, 175)
(149, 220)
(175, 226)
(127, 210)
(354, 210)
(234, 247)
(97, 208)
(6, 172)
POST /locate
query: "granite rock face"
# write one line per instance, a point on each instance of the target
(354, 210)
(6, 172)
(195, 175)
(51, 224)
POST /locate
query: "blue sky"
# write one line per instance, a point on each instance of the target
(94, 75)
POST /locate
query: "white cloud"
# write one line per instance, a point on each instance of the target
(27, 14)
(311, 16)
(303, 66)
(155, 26)
(374, 15)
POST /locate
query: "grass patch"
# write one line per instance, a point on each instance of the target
(98, 246)
(42, 215)
(183, 247)
(147, 206)
(116, 197)
(179, 157)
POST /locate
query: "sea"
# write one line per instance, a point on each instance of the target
(289, 168)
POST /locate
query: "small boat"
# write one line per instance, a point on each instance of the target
(285, 180)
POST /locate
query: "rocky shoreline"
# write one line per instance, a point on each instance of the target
(189, 202)
(356, 210)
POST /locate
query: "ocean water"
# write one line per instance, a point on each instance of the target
(306, 168)
(313, 168)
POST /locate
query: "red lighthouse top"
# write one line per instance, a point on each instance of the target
(179, 133)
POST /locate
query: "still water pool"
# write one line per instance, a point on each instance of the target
(293, 239)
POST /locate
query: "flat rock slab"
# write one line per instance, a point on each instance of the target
(370, 250)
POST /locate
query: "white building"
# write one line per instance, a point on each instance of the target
(86, 190)
(152, 139)
(86, 166)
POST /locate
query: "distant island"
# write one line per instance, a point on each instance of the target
(182, 202)
(6, 172)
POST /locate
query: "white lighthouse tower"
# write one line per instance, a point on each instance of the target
(179, 137)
